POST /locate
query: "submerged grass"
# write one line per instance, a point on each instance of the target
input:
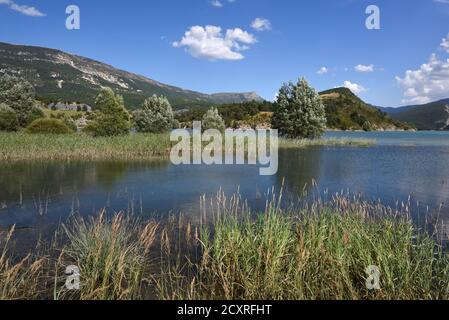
(22, 146)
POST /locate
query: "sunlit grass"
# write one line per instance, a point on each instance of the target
(22, 146)
(320, 250)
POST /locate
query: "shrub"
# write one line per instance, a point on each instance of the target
(8, 118)
(299, 111)
(213, 120)
(19, 95)
(34, 114)
(156, 116)
(111, 118)
(48, 126)
(68, 120)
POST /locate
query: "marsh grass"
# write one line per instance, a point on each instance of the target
(21, 146)
(22, 279)
(312, 250)
(320, 251)
(112, 254)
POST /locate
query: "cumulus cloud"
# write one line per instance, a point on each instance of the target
(429, 82)
(364, 68)
(354, 87)
(23, 9)
(210, 43)
(323, 70)
(260, 24)
(445, 43)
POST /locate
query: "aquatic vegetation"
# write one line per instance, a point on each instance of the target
(316, 250)
(21, 146)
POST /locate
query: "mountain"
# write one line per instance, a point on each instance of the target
(59, 76)
(431, 116)
(346, 111)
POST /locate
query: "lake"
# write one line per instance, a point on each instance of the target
(39, 195)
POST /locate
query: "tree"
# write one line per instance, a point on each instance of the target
(213, 120)
(299, 111)
(156, 116)
(111, 117)
(19, 95)
(9, 121)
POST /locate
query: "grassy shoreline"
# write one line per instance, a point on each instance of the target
(21, 146)
(319, 251)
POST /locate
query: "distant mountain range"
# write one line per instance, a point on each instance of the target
(346, 111)
(431, 116)
(59, 76)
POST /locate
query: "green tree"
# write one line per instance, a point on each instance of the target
(213, 120)
(19, 95)
(111, 118)
(299, 111)
(9, 121)
(156, 116)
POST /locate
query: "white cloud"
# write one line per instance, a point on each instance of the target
(260, 24)
(219, 3)
(364, 68)
(24, 9)
(445, 43)
(210, 43)
(216, 3)
(430, 82)
(354, 87)
(323, 70)
(442, 1)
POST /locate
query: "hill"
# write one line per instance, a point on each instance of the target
(431, 116)
(346, 111)
(60, 76)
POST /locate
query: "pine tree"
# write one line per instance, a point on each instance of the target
(156, 116)
(213, 120)
(299, 111)
(111, 117)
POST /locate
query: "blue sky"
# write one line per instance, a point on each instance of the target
(406, 61)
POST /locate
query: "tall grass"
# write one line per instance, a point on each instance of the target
(22, 279)
(321, 251)
(318, 250)
(112, 254)
(22, 146)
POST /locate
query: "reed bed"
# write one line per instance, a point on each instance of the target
(22, 146)
(308, 251)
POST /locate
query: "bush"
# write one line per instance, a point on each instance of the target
(213, 120)
(48, 126)
(299, 111)
(34, 114)
(69, 121)
(111, 118)
(19, 95)
(9, 120)
(156, 116)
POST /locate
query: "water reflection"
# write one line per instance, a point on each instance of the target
(42, 194)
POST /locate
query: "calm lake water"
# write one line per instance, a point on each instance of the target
(39, 195)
